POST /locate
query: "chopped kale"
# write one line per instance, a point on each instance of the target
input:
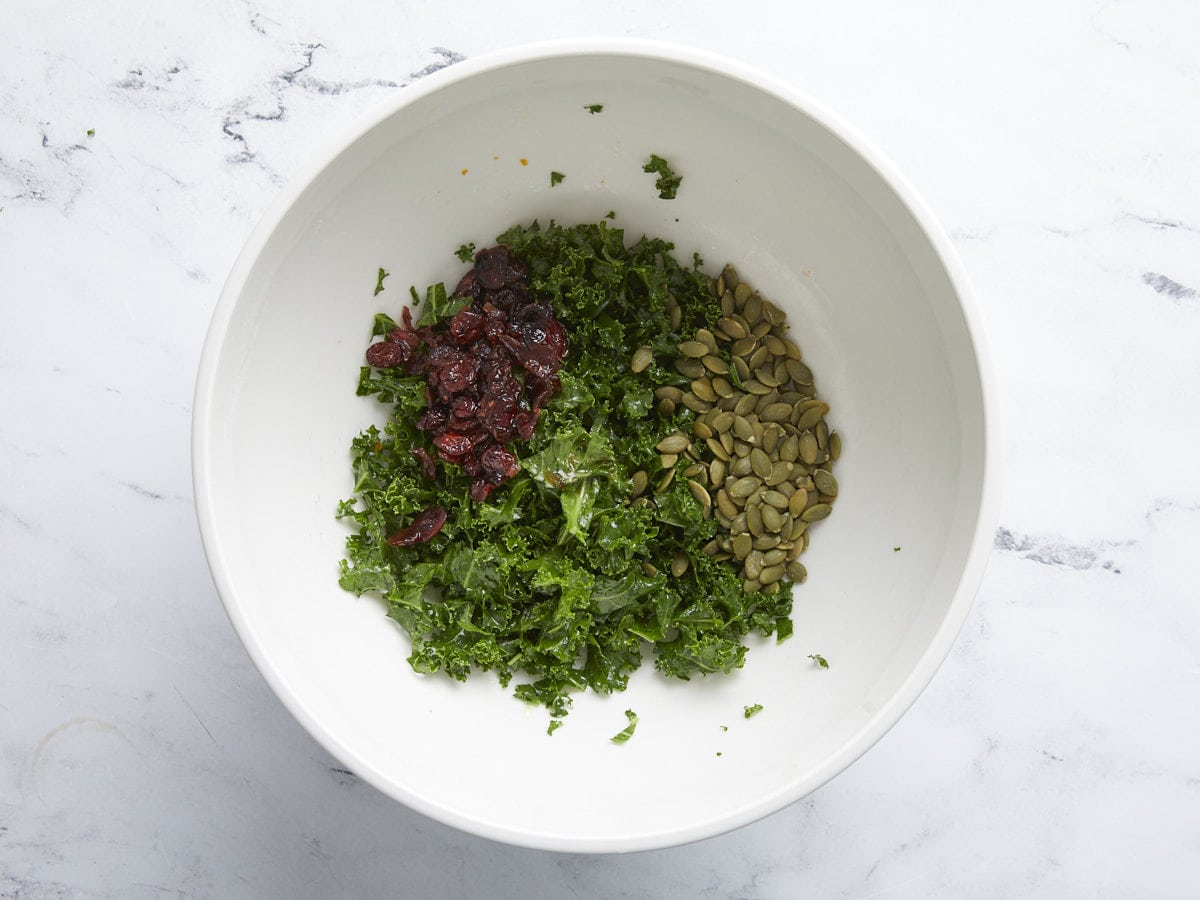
(545, 579)
(627, 732)
(667, 182)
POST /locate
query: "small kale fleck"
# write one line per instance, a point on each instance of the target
(379, 280)
(556, 178)
(627, 732)
(465, 252)
(667, 182)
(594, 108)
(819, 660)
(754, 710)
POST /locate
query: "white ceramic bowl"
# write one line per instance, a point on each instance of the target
(808, 213)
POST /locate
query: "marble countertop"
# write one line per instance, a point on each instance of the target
(1055, 754)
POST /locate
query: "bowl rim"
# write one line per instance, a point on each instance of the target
(969, 582)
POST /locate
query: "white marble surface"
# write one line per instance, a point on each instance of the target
(1056, 753)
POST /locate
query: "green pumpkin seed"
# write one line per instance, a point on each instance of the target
(796, 572)
(648, 570)
(825, 482)
(772, 313)
(700, 493)
(669, 393)
(745, 405)
(766, 541)
(743, 347)
(722, 421)
(702, 429)
(673, 443)
(760, 463)
(669, 459)
(740, 368)
(776, 412)
(780, 473)
(679, 565)
(809, 418)
(772, 434)
(754, 520)
(800, 373)
(770, 574)
(727, 507)
(771, 519)
(752, 386)
(775, 345)
(666, 481)
(797, 502)
(750, 586)
(716, 471)
(730, 276)
(742, 293)
(638, 482)
(689, 368)
(695, 404)
(675, 315)
(717, 450)
(753, 563)
(732, 327)
(816, 512)
(703, 389)
(752, 309)
(776, 499)
(741, 467)
(808, 447)
(666, 408)
(741, 545)
(715, 364)
(835, 446)
(642, 357)
(744, 487)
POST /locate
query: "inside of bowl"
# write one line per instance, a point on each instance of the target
(806, 219)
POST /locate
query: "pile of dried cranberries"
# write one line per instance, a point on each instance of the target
(490, 369)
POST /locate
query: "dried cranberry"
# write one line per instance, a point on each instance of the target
(466, 285)
(488, 371)
(498, 461)
(466, 327)
(524, 421)
(428, 465)
(481, 490)
(386, 355)
(458, 376)
(452, 444)
(424, 525)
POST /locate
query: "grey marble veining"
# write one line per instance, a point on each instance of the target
(1055, 753)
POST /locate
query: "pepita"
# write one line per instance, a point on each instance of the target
(816, 512)
(673, 443)
(642, 357)
(825, 482)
